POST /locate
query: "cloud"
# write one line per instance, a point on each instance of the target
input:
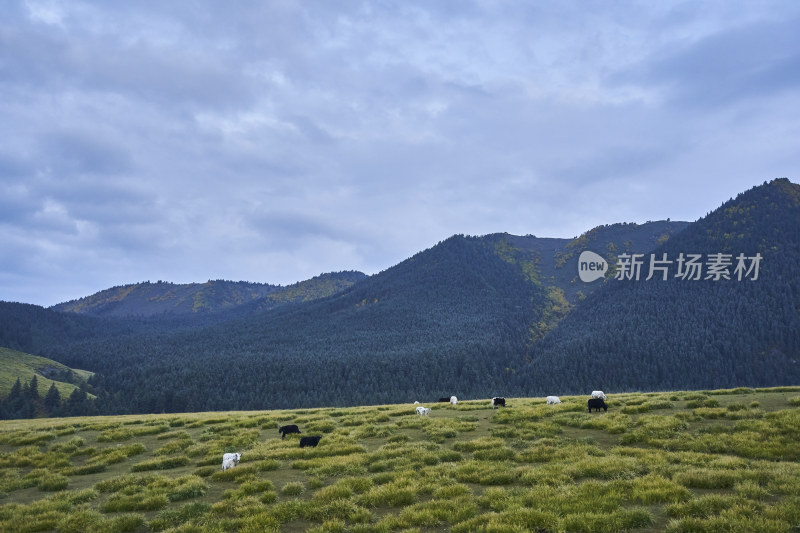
(82, 152)
(738, 64)
(274, 141)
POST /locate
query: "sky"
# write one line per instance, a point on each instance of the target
(272, 141)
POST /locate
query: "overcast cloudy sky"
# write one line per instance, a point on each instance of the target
(271, 141)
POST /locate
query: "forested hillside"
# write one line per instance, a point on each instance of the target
(31, 328)
(553, 263)
(684, 333)
(441, 322)
(163, 298)
(471, 316)
(147, 299)
(456, 318)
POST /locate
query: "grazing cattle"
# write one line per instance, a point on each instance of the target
(444, 399)
(285, 430)
(497, 401)
(229, 460)
(552, 400)
(415, 403)
(309, 441)
(596, 404)
(598, 394)
(423, 410)
(453, 400)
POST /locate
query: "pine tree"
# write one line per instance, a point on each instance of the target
(14, 404)
(76, 403)
(33, 389)
(16, 391)
(52, 401)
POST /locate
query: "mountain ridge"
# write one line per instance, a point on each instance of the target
(730, 332)
(544, 258)
(147, 299)
(454, 316)
(472, 316)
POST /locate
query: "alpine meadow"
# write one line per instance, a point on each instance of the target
(714, 460)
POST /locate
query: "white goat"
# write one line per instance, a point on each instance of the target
(229, 460)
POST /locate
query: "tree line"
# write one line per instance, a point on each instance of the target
(25, 401)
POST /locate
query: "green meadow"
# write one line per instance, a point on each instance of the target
(17, 365)
(722, 460)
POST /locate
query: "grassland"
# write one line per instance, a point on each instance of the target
(724, 460)
(24, 366)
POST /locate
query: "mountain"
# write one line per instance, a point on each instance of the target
(444, 318)
(454, 317)
(32, 328)
(148, 299)
(309, 290)
(471, 316)
(553, 263)
(163, 298)
(684, 333)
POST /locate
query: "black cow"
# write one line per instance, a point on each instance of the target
(285, 430)
(596, 404)
(445, 399)
(498, 402)
(309, 441)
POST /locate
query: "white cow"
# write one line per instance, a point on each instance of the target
(553, 400)
(423, 410)
(453, 400)
(598, 394)
(415, 403)
(229, 460)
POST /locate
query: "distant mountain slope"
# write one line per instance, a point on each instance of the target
(444, 320)
(315, 288)
(30, 328)
(471, 316)
(163, 298)
(17, 365)
(553, 263)
(449, 319)
(678, 333)
(147, 299)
